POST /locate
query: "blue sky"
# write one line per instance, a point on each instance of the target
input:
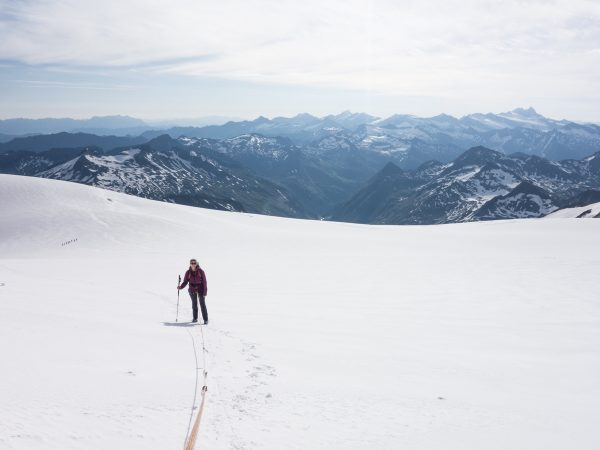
(190, 58)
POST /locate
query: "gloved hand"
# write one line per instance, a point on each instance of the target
(179, 288)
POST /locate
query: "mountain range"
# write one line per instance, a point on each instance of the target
(410, 141)
(406, 140)
(43, 142)
(253, 173)
(163, 169)
(97, 125)
(346, 167)
(481, 184)
(100, 125)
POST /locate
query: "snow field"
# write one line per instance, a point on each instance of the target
(321, 335)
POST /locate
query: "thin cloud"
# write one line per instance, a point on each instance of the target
(451, 49)
(73, 85)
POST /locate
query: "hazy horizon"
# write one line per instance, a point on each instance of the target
(188, 121)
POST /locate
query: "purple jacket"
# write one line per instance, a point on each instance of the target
(197, 280)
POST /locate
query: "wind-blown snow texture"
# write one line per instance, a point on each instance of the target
(322, 335)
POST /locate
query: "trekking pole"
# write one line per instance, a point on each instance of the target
(178, 284)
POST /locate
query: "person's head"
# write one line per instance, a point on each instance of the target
(193, 264)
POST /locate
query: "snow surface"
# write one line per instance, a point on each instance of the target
(564, 213)
(125, 155)
(322, 335)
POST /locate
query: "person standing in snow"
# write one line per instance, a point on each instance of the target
(196, 278)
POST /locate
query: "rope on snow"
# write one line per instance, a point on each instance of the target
(190, 442)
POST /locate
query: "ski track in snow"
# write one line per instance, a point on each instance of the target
(321, 335)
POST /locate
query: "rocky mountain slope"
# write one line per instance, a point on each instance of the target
(162, 169)
(481, 184)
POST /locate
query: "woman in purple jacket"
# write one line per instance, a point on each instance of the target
(197, 279)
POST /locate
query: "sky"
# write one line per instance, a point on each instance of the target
(194, 58)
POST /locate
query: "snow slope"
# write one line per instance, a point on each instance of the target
(594, 210)
(322, 335)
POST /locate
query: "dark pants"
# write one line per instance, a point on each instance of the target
(195, 296)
